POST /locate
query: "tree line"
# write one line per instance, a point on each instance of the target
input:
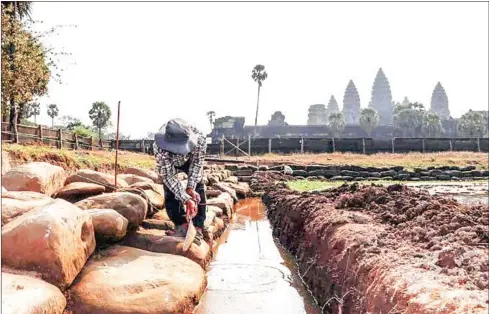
(413, 118)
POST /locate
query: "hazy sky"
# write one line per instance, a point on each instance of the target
(164, 60)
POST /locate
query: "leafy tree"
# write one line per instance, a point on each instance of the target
(25, 73)
(150, 136)
(258, 75)
(19, 9)
(211, 115)
(432, 125)
(336, 123)
(32, 110)
(53, 112)
(409, 117)
(369, 120)
(70, 123)
(471, 124)
(83, 131)
(100, 115)
(113, 136)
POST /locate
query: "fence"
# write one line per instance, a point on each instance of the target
(52, 137)
(259, 146)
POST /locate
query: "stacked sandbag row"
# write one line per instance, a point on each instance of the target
(357, 173)
(97, 242)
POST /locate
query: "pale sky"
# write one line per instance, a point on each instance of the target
(166, 60)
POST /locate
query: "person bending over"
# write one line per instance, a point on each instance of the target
(180, 147)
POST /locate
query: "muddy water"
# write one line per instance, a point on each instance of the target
(464, 192)
(251, 273)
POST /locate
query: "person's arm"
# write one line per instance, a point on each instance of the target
(167, 171)
(197, 163)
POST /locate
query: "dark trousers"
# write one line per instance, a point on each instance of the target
(175, 208)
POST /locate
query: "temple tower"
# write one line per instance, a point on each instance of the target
(277, 118)
(405, 102)
(332, 106)
(439, 102)
(382, 98)
(317, 115)
(351, 104)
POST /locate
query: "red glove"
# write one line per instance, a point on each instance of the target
(190, 209)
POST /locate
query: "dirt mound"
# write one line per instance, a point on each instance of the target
(371, 248)
(265, 180)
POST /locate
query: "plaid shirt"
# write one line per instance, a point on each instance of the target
(166, 163)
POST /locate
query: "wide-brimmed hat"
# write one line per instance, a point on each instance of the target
(176, 136)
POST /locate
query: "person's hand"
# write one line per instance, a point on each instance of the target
(190, 209)
(194, 195)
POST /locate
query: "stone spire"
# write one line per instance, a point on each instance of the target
(405, 102)
(277, 118)
(382, 98)
(351, 104)
(439, 102)
(317, 115)
(332, 106)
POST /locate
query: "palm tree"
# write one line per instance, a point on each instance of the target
(17, 11)
(211, 115)
(53, 112)
(369, 120)
(258, 75)
(336, 123)
(431, 125)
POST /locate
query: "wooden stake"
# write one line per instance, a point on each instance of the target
(117, 142)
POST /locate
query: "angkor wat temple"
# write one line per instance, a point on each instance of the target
(317, 118)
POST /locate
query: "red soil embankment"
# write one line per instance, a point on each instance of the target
(385, 249)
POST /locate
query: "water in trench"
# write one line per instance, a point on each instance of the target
(251, 273)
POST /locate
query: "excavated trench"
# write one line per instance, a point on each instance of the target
(353, 249)
(251, 272)
(373, 249)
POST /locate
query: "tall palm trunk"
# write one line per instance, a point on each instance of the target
(13, 108)
(257, 106)
(52, 122)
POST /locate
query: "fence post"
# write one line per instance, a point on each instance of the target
(142, 146)
(76, 141)
(363, 145)
(423, 144)
(302, 145)
(392, 143)
(237, 146)
(60, 139)
(451, 144)
(479, 144)
(249, 145)
(40, 134)
(221, 151)
(269, 145)
(332, 142)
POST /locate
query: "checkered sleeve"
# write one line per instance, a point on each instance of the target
(165, 168)
(197, 163)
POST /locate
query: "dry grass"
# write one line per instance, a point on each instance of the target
(409, 160)
(72, 160)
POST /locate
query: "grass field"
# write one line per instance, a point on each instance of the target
(409, 160)
(304, 185)
(72, 160)
(104, 160)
